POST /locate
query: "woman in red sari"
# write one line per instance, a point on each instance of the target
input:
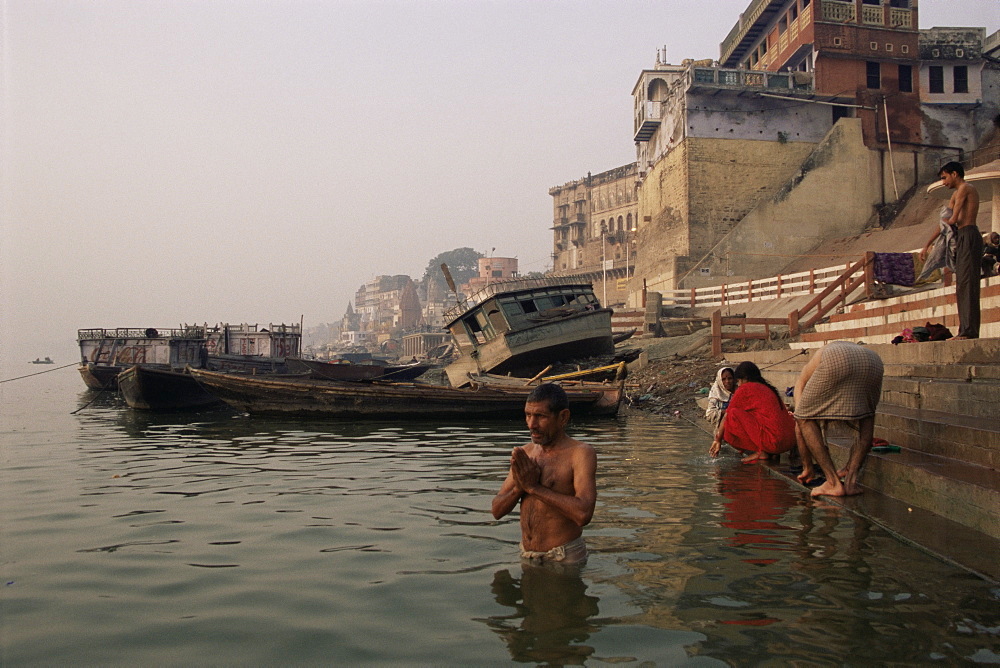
(756, 421)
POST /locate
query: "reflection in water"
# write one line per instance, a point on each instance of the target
(754, 503)
(552, 615)
(289, 541)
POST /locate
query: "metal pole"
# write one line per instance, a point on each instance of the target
(604, 269)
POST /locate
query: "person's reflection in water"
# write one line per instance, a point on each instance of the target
(552, 614)
(756, 501)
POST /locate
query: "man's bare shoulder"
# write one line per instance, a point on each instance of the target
(581, 449)
(970, 193)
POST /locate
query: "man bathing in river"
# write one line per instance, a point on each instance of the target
(843, 381)
(554, 478)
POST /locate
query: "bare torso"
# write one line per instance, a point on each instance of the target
(543, 525)
(965, 205)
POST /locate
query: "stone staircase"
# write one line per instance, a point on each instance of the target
(880, 321)
(939, 405)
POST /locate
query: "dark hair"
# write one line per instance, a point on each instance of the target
(551, 394)
(750, 372)
(953, 168)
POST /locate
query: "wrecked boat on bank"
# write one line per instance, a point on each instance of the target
(518, 326)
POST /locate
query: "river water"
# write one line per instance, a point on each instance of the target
(218, 539)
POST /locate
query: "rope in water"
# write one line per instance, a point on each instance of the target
(38, 373)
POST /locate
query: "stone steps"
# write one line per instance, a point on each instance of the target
(939, 405)
(880, 321)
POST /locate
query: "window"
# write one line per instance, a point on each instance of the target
(961, 78)
(905, 79)
(874, 72)
(805, 3)
(935, 79)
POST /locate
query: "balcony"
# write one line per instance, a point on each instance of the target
(835, 10)
(648, 120)
(749, 29)
(900, 18)
(872, 15)
(753, 80)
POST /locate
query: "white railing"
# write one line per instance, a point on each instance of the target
(763, 289)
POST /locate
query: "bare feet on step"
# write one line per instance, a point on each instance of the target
(836, 488)
(807, 475)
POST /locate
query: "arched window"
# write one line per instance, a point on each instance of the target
(629, 223)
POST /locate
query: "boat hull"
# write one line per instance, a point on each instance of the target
(153, 389)
(100, 376)
(323, 398)
(358, 372)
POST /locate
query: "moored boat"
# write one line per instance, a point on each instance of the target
(367, 371)
(379, 400)
(166, 353)
(159, 388)
(105, 353)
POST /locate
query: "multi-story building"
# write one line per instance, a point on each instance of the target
(594, 224)
(383, 307)
(958, 85)
(810, 122)
(863, 53)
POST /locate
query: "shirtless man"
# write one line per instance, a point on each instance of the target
(964, 207)
(554, 478)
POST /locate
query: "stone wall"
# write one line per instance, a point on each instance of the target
(695, 195)
(833, 195)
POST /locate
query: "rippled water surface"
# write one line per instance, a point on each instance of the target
(218, 539)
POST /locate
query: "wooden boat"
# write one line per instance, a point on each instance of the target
(160, 388)
(380, 400)
(38, 360)
(366, 371)
(521, 325)
(105, 353)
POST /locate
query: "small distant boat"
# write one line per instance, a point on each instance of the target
(381, 400)
(47, 360)
(518, 326)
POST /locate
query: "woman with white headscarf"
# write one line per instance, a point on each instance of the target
(719, 395)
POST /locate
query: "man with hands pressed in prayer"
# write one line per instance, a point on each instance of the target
(554, 478)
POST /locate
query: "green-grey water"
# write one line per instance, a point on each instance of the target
(218, 539)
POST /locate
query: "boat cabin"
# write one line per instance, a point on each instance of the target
(125, 346)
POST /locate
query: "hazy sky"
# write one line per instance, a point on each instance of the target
(172, 161)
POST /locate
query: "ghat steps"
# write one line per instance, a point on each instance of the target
(939, 405)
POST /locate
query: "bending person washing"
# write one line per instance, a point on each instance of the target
(843, 381)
